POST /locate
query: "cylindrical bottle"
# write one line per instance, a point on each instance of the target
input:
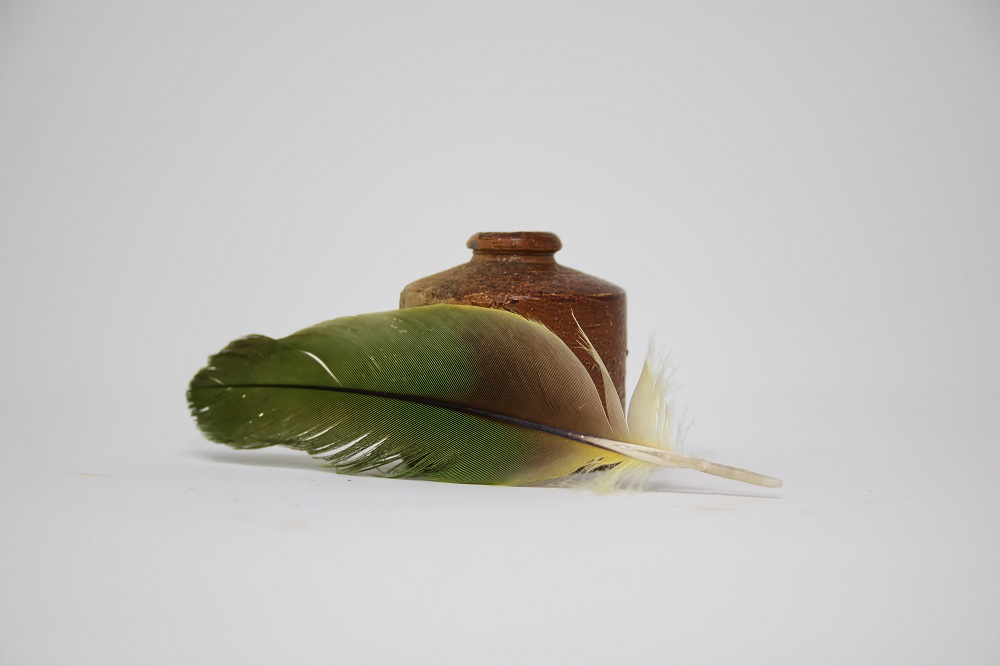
(517, 271)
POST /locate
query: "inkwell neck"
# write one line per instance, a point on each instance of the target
(528, 247)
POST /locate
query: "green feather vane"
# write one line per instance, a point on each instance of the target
(443, 392)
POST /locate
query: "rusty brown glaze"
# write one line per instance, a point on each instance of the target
(517, 271)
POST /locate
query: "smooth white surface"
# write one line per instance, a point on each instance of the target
(802, 202)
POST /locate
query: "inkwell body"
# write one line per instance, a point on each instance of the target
(518, 272)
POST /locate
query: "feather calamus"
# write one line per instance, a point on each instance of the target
(443, 392)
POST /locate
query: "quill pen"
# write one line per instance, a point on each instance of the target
(443, 392)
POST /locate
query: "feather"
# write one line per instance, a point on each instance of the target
(442, 392)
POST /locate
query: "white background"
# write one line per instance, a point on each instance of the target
(802, 200)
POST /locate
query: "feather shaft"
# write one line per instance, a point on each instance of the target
(665, 458)
(641, 452)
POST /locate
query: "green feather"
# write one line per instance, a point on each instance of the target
(449, 393)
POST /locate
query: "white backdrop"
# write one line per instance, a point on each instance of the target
(801, 199)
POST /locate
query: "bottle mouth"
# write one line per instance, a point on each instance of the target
(514, 242)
